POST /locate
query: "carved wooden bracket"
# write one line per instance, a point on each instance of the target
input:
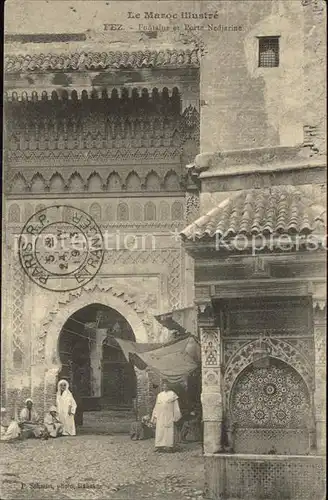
(206, 314)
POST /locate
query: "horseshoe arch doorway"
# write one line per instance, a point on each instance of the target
(92, 361)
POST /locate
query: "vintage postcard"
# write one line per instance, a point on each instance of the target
(164, 250)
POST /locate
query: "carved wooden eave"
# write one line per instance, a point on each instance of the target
(95, 85)
(211, 248)
(260, 287)
(235, 276)
(84, 74)
(309, 266)
(111, 99)
(182, 320)
(66, 91)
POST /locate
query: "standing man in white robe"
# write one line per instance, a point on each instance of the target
(66, 407)
(165, 414)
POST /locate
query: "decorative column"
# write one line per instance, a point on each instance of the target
(319, 320)
(211, 387)
(192, 205)
(16, 327)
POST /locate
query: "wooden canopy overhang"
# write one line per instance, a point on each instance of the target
(269, 214)
(263, 242)
(81, 61)
(97, 108)
(82, 75)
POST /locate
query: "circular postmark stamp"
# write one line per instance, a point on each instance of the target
(61, 248)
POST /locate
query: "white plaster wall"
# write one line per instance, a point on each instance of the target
(243, 106)
(284, 85)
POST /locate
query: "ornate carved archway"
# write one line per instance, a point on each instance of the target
(115, 300)
(48, 339)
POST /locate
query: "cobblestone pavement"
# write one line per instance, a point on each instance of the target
(99, 467)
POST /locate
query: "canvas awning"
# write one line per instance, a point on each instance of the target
(172, 361)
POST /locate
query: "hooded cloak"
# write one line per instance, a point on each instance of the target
(66, 408)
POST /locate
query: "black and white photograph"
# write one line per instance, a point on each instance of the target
(164, 250)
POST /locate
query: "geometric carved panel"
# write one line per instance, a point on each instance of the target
(18, 283)
(170, 257)
(270, 407)
(275, 317)
(304, 345)
(262, 441)
(272, 478)
(273, 397)
(210, 347)
(230, 347)
(320, 345)
(276, 348)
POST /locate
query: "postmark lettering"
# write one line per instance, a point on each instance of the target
(61, 252)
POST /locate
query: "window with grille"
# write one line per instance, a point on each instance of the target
(268, 52)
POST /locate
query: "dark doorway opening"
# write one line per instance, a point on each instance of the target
(92, 361)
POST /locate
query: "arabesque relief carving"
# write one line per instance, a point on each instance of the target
(276, 348)
(87, 295)
(101, 137)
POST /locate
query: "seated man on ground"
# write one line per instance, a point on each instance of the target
(52, 424)
(29, 422)
(10, 429)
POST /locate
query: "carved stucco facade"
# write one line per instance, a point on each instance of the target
(128, 174)
(137, 284)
